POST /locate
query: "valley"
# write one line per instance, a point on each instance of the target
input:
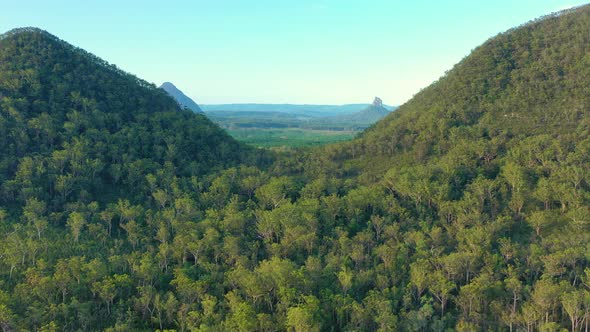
(125, 208)
(283, 126)
(291, 126)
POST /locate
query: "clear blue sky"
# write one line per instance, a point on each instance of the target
(281, 51)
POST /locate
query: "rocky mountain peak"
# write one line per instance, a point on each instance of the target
(377, 102)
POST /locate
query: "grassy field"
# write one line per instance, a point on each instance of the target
(289, 137)
(286, 130)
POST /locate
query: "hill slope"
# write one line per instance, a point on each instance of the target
(466, 210)
(62, 106)
(183, 100)
(529, 80)
(483, 178)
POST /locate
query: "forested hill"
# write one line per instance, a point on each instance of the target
(529, 80)
(73, 124)
(465, 210)
(483, 181)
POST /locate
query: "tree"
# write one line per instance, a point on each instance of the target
(34, 212)
(572, 303)
(345, 278)
(6, 314)
(106, 290)
(242, 316)
(164, 308)
(515, 287)
(76, 222)
(441, 288)
(275, 192)
(106, 216)
(305, 317)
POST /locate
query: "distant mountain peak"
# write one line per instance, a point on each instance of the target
(168, 85)
(377, 102)
(370, 114)
(183, 100)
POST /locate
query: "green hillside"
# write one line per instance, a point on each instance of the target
(527, 81)
(465, 210)
(490, 165)
(67, 114)
(78, 137)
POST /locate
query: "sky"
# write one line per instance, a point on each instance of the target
(281, 51)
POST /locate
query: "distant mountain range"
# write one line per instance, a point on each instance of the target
(183, 100)
(358, 116)
(365, 113)
(297, 109)
(353, 117)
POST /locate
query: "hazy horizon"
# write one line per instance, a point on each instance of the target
(321, 52)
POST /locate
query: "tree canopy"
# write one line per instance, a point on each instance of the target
(466, 209)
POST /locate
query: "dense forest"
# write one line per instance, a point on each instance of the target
(465, 210)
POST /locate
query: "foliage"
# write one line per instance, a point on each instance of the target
(465, 210)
